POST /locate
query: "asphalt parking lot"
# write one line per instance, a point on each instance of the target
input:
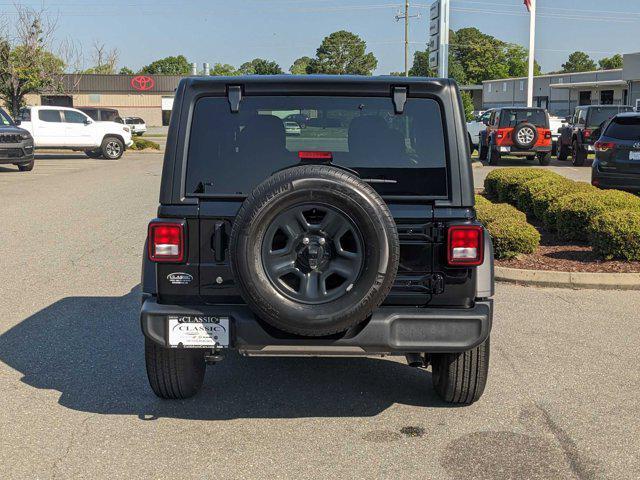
(562, 400)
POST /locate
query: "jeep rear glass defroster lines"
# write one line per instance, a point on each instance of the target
(166, 242)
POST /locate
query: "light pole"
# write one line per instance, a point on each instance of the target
(406, 18)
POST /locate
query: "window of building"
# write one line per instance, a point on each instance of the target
(561, 80)
(606, 97)
(585, 97)
(504, 86)
(490, 87)
(50, 116)
(522, 85)
(56, 100)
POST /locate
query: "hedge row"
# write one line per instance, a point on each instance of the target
(571, 209)
(511, 233)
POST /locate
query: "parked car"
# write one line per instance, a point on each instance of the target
(364, 243)
(476, 126)
(136, 124)
(70, 129)
(578, 137)
(519, 132)
(102, 114)
(556, 124)
(16, 144)
(292, 128)
(617, 163)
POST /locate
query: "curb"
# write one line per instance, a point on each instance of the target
(575, 280)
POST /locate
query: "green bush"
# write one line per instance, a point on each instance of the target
(616, 235)
(142, 144)
(501, 184)
(576, 211)
(527, 192)
(543, 196)
(511, 233)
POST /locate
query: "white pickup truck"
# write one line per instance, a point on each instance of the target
(70, 129)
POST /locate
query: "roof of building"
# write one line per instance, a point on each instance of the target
(559, 74)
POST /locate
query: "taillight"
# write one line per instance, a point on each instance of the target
(604, 146)
(547, 134)
(464, 245)
(587, 133)
(311, 155)
(166, 242)
(500, 135)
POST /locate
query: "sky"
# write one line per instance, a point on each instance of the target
(235, 31)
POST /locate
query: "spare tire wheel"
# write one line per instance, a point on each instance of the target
(314, 250)
(525, 135)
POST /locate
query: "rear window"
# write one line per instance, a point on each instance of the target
(598, 116)
(624, 128)
(511, 118)
(231, 153)
(110, 116)
(50, 116)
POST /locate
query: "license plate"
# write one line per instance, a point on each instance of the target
(198, 332)
(634, 155)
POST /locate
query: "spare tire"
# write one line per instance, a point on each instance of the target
(314, 250)
(525, 135)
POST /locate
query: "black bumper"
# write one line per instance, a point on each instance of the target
(621, 181)
(18, 154)
(390, 330)
(523, 152)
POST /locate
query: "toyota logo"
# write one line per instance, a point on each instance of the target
(142, 83)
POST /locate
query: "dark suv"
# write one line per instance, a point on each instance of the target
(519, 132)
(355, 237)
(16, 144)
(577, 139)
(617, 163)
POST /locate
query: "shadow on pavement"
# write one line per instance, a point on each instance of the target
(91, 350)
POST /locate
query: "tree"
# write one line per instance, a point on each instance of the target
(178, 65)
(300, 66)
(578, 62)
(611, 63)
(26, 63)
(126, 71)
(260, 66)
(343, 53)
(518, 61)
(223, 70)
(420, 66)
(104, 60)
(467, 102)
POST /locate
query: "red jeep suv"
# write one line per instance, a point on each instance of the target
(519, 132)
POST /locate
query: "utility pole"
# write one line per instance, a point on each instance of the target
(406, 18)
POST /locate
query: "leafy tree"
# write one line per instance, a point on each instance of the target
(420, 66)
(178, 65)
(260, 66)
(126, 71)
(518, 61)
(300, 66)
(343, 53)
(578, 62)
(26, 64)
(223, 70)
(611, 63)
(467, 102)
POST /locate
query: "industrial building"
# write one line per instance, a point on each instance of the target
(561, 93)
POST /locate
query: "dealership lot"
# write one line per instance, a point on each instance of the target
(561, 403)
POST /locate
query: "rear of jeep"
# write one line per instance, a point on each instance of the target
(355, 236)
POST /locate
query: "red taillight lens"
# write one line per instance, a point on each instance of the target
(166, 242)
(587, 133)
(464, 245)
(310, 155)
(500, 134)
(604, 146)
(547, 135)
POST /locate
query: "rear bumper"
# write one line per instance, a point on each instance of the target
(523, 152)
(620, 181)
(389, 331)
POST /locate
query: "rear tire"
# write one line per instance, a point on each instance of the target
(461, 378)
(472, 147)
(483, 152)
(27, 167)
(494, 156)
(579, 155)
(544, 158)
(174, 373)
(112, 148)
(531, 158)
(97, 153)
(563, 152)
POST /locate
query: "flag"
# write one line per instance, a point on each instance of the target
(528, 4)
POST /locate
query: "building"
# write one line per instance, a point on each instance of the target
(561, 93)
(147, 96)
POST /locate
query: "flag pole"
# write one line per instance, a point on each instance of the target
(532, 50)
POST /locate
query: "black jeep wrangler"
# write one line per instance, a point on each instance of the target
(585, 127)
(355, 237)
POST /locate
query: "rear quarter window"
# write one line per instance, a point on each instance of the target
(52, 116)
(231, 153)
(624, 128)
